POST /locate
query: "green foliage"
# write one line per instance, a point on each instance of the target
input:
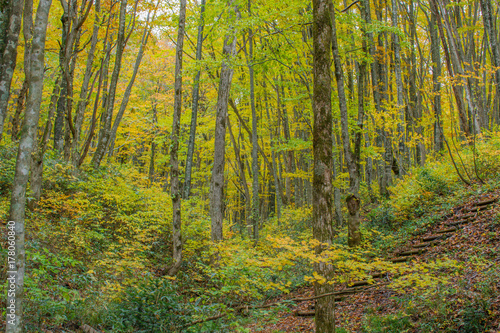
(8, 155)
(392, 323)
(151, 305)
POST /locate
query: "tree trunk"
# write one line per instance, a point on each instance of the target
(277, 185)
(255, 139)
(175, 190)
(399, 83)
(36, 175)
(243, 179)
(323, 160)
(103, 70)
(217, 180)
(194, 108)
(490, 29)
(84, 95)
(19, 109)
(14, 9)
(128, 90)
(436, 73)
(352, 200)
(456, 89)
(105, 132)
(34, 74)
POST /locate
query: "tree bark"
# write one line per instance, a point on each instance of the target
(489, 25)
(175, 190)
(36, 175)
(436, 73)
(277, 185)
(194, 108)
(105, 132)
(323, 159)
(352, 200)
(19, 109)
(34, 74)
(255, 142)
(399, 83)
(243, 180)
(12, 15)
(217, 180)
(128, 90)
(84, 92)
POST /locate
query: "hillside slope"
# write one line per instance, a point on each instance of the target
(451, 284)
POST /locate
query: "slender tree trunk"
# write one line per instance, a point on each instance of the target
(36, 175)
(352, 200)
(399, 83)
(175, 190)
(337, 168)
(255, 139)
(105, 133)
(277, 185)
(128, 90)
(323, 160)
(436, 73)
(19, 109)
(103, 70)
(217, 180)
(194, 108)
(456, 89)
(84, 95)
(12, 14)
(35, 73)
(490, 27)
(243, 179)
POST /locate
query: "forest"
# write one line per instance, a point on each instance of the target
(249, 166)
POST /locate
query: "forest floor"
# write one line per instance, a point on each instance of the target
(468, 302)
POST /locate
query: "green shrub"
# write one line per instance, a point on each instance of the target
(153, 305)
(399, 322)
(7, 168)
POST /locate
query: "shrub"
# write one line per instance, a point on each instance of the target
(153, 305)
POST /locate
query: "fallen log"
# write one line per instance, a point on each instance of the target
(427, 244)
(487, 201)
(457, 222)
(434, 237)
(445, 231)
(478, 208)
(304, 313)
(411, 252)
(402, 259)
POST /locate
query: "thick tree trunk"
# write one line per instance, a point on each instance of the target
(12, 13)
(323, 160)
(217, 180)
(35, 74)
